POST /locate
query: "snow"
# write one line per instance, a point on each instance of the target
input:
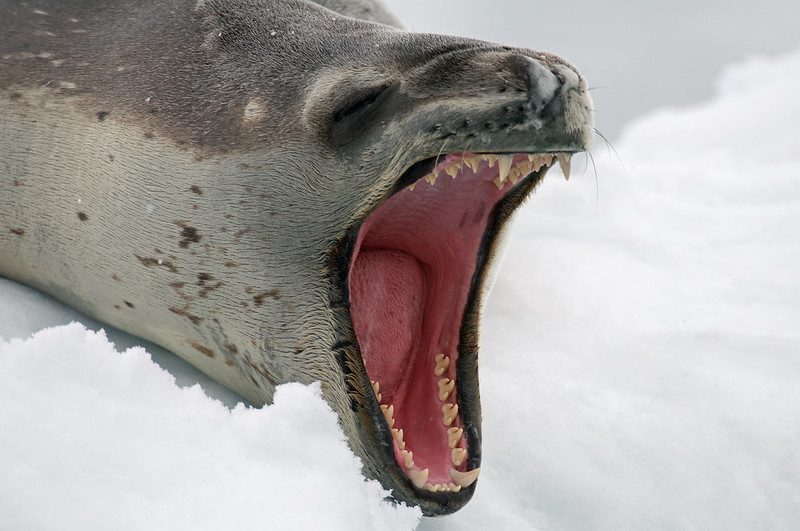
(638, 371)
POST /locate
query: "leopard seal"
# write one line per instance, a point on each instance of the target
(283, 191)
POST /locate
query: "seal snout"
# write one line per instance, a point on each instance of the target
(542, 84)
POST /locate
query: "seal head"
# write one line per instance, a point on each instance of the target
(279, 192)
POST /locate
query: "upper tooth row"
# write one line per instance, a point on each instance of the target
(508, 169)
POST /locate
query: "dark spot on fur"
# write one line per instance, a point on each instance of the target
(238, 235)
(129, 304)
(273, 294)
(229, 362)
(202, 349)
(115, 277)
(196, 190)
(82, 216)
(155, 262)
(18, 232)
(184, 313)
(203, 293)
(110, 157)
(101, 116)
(231, 263)
(15, 96)
(117, 307)
(149, 135)
(17, 182)
(178, 285)
(228, 216)
(202, 278)
(190, 236)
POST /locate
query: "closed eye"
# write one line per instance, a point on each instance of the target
(358, 102)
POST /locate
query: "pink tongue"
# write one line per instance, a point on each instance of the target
(387, 296)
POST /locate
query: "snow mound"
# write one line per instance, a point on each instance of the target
(92, 438)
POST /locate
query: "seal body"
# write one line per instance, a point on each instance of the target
(196, 173)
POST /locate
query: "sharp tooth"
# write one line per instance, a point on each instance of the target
(525, 168)
(376, 387)
(419, 477)
(453, 436)
(446, 386)
(431, 487)
(564, 159)
(506, 161)
(531, 158)
(464, 479)
(498, 183)
(431, 178)
(442, 363)
(408, 458)
(453, 487)
(491, 160)
(473, 163)
(453, 169)
(388, 413)
(449, 412)
(514, 175)
(411, 187)
(397, 435)
(457, 455)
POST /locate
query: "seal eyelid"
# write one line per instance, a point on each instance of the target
(357, 102)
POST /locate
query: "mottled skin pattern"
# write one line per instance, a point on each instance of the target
(190, 171)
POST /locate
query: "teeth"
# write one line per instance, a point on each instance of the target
(457, 455)
(411, 187)
(388, 413)
(453, 436)
(491, 160)
(449, 412)
(376, 388)
(472, 163)
(442, 487)
(464, 479)
(408, 458)
(506, 161)
(431, 178)
(564, 159)
(397, 435)
(446, 386)
(453, 169)
(442, 363)
(419, 477)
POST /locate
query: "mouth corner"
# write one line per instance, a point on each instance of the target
(412, 277)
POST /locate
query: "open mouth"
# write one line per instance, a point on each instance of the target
(415, 278)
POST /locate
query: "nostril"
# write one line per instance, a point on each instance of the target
(543, 84)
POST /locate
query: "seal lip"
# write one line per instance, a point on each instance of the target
(374, 430)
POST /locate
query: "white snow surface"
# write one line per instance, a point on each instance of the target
(639, 368)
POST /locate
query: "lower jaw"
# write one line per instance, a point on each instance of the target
(425, 375)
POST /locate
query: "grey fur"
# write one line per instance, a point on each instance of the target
(180, 171)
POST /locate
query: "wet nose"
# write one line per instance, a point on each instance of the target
(546, 84)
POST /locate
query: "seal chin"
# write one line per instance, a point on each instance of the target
(417, 267)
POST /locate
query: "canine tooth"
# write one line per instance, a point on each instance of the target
(446, 386)
(457, 455)
(442, 363)
(449, 412)
(419, 477)
(564, 159)
(453, 436)
(408, 458)
(465, 479)
(506, 162)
